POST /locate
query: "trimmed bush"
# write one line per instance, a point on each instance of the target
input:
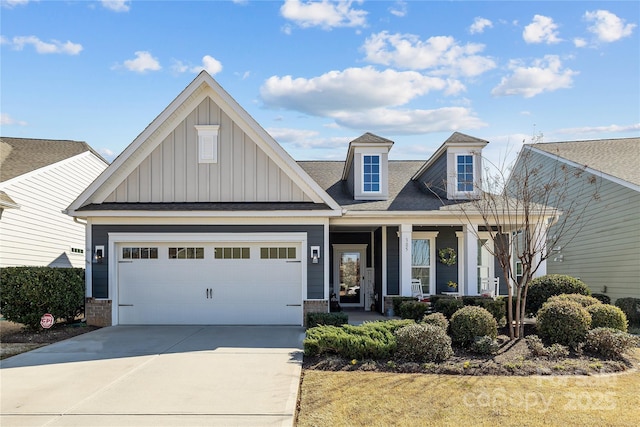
(602, 298)
(471, 322)
(584, 300)
(543, 288)
(631, 308)
(610, 343)
(413, 310)
(335, 319)
(29, 292)
(538, 349)
(436, 319)
(448, 306)
(371, 340)
(484, 345)
(607, 316)
(423, 343)
(397, 301)
(563, 322)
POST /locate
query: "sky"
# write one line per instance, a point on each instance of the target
(316, 75)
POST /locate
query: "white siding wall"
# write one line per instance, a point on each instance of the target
(172, 172)
(39, 234)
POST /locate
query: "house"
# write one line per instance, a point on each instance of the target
(38, 180)
(604, 251)
(205, 219)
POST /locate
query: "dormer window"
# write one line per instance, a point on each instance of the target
(464, 174)
(371, 173)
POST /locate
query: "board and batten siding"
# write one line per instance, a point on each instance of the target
(605, 252)
(172, 174)
(100, 236)
(38, 233)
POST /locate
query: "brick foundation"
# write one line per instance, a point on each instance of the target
(97, 312)
(314, 306)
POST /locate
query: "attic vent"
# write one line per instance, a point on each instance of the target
(207, 143)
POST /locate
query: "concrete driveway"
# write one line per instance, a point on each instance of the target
(157, 376)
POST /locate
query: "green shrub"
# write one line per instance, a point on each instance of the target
(607, 316)
(448, 306)
(335, 319)
(371, 340)
(543, 288)
(413, 310)
(484, 345)
(563, 322)
(436, 319)
(471, 322)
(29, 292)
(602, 298)
(584, 300)
(497, 308)
(610, 343)
(397, 301)
(538, 349)
(423, 343)
(631, 308)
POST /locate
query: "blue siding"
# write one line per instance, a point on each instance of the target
(435, 177)
(315, 236)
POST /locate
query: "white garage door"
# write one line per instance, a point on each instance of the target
(220, 283)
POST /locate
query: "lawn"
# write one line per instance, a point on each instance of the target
(359, 398)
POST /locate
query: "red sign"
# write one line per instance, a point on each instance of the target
(47, 321)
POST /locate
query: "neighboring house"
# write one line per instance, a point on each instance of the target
(38, 180)
(604, 251)
(205, 219)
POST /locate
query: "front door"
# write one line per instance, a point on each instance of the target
(348, 274)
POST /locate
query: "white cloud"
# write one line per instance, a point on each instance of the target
(440, 54)
(579, 42)
(107, 153)
(479, 25)
(142, 63)
(354, 89)
(117, 5)
(541, 30)
(410, 122)
(13, 3)
(7, 120)
(209, 64)
(608, 27)
(306, 139)
(325, 14)
(53, 46)
(600, 129)
(399, 8)
(544, 75)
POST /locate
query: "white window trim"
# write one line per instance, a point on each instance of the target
(380, 177)
(431, 235)
(207, 143)
(452, 173)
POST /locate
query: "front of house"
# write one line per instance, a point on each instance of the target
(205, 219)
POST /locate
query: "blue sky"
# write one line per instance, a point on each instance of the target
(317, 75)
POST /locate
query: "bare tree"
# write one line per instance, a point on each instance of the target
(517, 207)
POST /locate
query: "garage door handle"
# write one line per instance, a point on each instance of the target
(125, 305)
(295, 261)
(294, 305)
(209, 293)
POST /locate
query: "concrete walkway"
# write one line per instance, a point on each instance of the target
(157, 376)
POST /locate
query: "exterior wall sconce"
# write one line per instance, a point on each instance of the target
(315, 254)
(98, 254)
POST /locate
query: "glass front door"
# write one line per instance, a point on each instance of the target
(348, 275)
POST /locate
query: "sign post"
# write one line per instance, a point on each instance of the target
(47, 320)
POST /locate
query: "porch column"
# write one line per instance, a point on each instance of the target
(461, 262)
(470, 257)
(540, 241)
(405, 259)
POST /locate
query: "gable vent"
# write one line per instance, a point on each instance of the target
(207, 143)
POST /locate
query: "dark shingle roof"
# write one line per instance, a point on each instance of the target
(615, 157)
(404, 194)
(22, 155)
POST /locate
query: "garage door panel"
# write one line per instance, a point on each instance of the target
(210, 290)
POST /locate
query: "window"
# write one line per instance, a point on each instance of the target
(231, 253)
(139, 253)
(421, 262)
(277, 253)
(186, 253)
(464, 173)
(371, 174)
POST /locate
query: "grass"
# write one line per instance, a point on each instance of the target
(388, 399)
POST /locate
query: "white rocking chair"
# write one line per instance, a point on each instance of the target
(416, 290)
(490, 286)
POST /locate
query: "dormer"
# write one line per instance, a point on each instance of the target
(454, 171)
(367, 166)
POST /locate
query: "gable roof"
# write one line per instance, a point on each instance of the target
(618, 158)
(367, 139)
(23, 155)
(200, 88)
